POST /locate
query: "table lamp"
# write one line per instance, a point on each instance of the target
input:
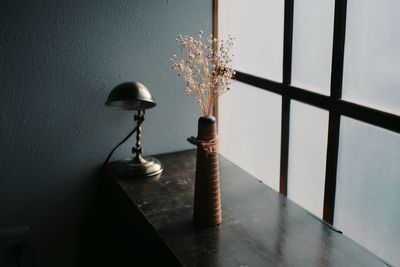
(134, 96)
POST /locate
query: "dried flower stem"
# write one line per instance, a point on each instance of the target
(206, 66)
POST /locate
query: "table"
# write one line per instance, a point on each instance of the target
(260, 226)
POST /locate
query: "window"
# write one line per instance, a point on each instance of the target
(315, 110)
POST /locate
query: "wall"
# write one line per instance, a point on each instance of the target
(59, 61)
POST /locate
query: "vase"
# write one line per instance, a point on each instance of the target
(207, 194)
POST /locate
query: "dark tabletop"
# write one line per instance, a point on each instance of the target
(260, 227)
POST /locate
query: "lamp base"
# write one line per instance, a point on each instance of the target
(138, 168)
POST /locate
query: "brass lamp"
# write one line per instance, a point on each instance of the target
(134, 96)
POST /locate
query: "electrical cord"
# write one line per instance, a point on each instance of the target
(88, 208)
(104, 165)
(119, 144)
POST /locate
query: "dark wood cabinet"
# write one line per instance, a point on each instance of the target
(260, 227)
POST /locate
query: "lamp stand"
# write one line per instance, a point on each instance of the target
(138, 166)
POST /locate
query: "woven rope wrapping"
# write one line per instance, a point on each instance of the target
(208, 146)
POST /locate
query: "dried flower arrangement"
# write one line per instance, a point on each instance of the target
(206, 66)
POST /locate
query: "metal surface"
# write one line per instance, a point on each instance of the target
(142, 167)
(331, 167)
(138, 149)
(134, 96)
(284, 161)
(339, 33)
(138, 166)
(286, 80)
(130, 96)
(369, 115)
(260, 227)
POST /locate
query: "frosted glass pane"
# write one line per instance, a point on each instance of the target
(367, 191)
(258, 28)
(312, 44)
(250, 131)
(307, 156)
(372, 54)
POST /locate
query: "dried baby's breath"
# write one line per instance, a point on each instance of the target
(206, 66)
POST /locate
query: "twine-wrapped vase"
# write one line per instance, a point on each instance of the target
(207, 195)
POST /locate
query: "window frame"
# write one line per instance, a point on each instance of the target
(333, 103)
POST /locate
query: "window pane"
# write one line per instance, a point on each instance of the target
(367, 191)
(312, 44)
(250, 131)
(258, 28)
(307, 156)
(372, 55)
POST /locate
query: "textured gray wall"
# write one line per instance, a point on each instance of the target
(59, 60)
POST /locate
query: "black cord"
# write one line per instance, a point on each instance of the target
(119, 144)
(104, 165)
(86, 215)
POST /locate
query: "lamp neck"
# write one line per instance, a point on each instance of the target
(138, 149)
